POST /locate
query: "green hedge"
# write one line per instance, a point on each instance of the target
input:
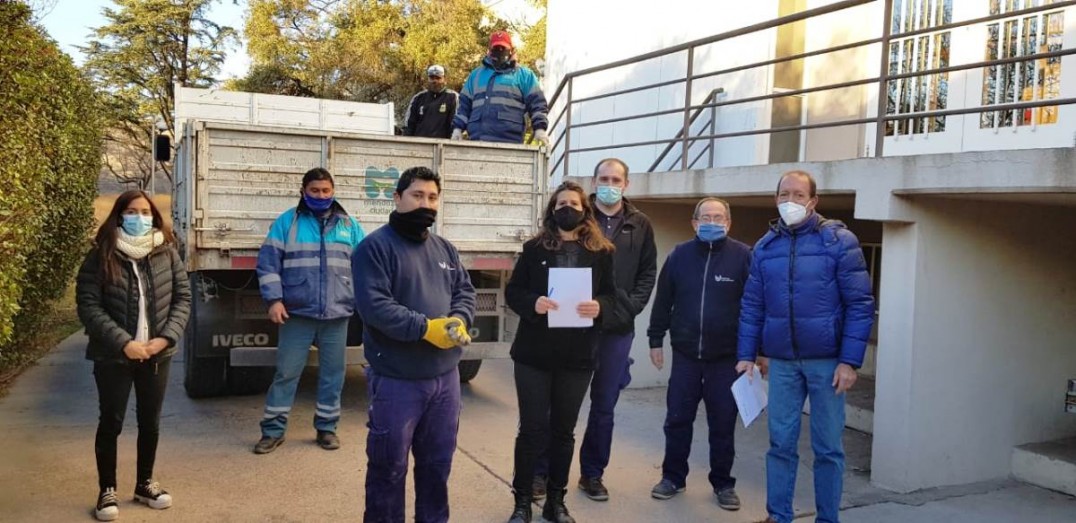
(50, 156)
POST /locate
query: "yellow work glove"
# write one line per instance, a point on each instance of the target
(437, 332)
(458, 332)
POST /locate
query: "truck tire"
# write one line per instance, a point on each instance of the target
(204, 377)
(469, 369)
(246, 381)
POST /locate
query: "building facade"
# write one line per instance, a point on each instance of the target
(964, 211)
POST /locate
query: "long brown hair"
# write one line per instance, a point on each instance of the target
(105, 241)
(588, 231)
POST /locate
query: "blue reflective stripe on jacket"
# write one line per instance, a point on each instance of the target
(493, 104)
(808, 295)
(308, 266)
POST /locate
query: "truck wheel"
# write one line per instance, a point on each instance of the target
(469, 369)
(246, 381)
(204, 377)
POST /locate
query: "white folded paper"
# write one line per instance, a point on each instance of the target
(569, 287)
(750, 396)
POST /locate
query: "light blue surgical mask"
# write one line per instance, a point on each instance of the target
(711, 232)
(137, 225)
(609, 195)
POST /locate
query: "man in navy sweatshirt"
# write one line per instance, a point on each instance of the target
(698, 303)
(416, 301)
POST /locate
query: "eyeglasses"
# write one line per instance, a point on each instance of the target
(711, 218)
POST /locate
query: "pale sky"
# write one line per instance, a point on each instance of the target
(71, 21)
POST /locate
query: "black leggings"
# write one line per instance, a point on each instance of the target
(549, 402)
(114, 382)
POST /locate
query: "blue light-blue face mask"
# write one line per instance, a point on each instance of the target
(711, 232)
(318, 205)
(137, 225)
(609, 195)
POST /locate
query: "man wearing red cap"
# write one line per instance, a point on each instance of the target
(498, 96)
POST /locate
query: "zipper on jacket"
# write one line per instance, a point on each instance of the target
(791, 310)
(702, 302)
(323, 284)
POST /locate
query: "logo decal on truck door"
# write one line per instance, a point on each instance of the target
(381, 184)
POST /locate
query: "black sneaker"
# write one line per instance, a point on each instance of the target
(727, 499)
(151, 493)
(328, 440)
(268, 444)
(593, 488)
(665, 490)
(538, 487)
(107, 505)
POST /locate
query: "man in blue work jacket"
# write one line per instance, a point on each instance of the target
(498, 95)
(417, 301)
(304, 274)
(698, 303)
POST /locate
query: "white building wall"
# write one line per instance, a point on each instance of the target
(596, 32)
(574, 43)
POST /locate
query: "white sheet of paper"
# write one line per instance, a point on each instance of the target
(569, 287)
(750, 396)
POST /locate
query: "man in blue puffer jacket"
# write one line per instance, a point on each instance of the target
(808, 306)
(698, 302)
(304, 274)
(496, 97)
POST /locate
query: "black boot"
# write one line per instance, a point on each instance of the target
(554, 510)
(522, 512)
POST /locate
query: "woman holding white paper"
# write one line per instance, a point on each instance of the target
(553, 365)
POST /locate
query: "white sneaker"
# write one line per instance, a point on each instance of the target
(107, 505)
(153, 495)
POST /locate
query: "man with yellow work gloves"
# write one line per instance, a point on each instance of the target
(416, 301)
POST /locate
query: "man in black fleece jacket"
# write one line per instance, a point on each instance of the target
(416, 301)
(698, 303)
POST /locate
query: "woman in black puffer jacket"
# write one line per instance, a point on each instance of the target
(134, 299)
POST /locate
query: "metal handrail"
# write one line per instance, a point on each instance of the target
(692, 111)
(710, 97)
(770, 24)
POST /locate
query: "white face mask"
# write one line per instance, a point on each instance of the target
(792, 213)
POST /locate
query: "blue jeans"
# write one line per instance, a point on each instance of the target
(692, 381)
(612, 375)
(297, 334)
(791, 382)
(419, 417)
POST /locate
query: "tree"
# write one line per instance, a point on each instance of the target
(532, 53)
(50, 140)
(363, 50)
(137, 58)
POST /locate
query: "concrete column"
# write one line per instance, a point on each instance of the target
(978, 315)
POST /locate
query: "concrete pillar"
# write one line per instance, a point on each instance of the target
(978, 315)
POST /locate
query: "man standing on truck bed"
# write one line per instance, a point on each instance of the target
(304, 273)
(416, 301)
(498, 95)
(430, 112)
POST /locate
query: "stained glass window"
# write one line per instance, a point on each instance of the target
(918, 53)
(1022, 81)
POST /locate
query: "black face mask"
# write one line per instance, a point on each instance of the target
(567, 218)
(413, 225)
(500, 57)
